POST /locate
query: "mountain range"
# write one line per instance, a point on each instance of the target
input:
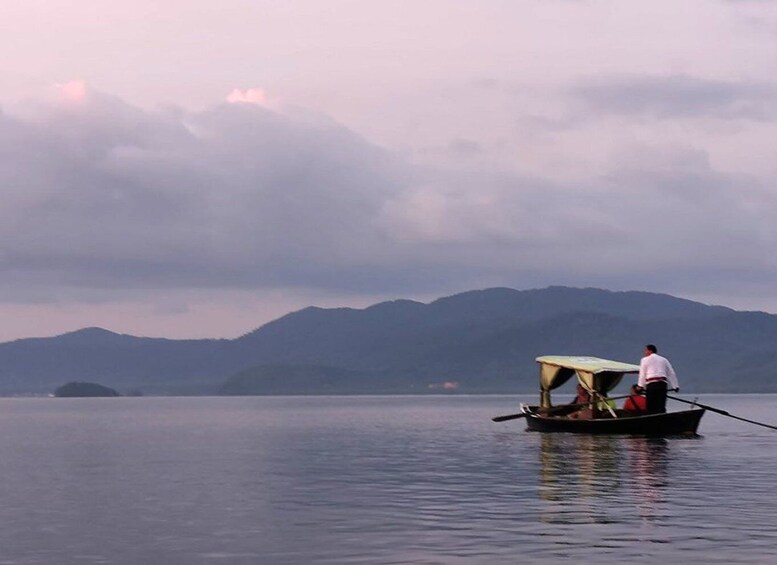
(482, 341)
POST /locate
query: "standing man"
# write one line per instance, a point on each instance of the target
(656, 375)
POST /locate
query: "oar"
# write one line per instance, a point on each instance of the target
(524, 414)
(721, 412)
(509, 417)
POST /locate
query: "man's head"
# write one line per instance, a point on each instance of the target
(650, 349)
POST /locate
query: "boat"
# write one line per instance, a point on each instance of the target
(598, 377)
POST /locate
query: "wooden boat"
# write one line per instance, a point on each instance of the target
(684, 422)
(598, 377)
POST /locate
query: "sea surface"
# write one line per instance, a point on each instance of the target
(402, 479)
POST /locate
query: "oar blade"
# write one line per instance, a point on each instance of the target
(508, 417)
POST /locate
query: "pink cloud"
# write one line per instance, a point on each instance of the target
(256, 96)
(72, 91)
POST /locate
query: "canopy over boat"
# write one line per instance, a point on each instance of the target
(595, 374)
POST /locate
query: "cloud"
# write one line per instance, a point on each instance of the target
(103, 198)
(256, 96)
(675, 96)
(108, 194)
(72, 91)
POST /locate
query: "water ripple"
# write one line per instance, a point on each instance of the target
(371, 480)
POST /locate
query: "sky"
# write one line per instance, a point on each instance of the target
(189, 168)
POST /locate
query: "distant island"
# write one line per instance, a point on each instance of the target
(79, 390)
(481, 341)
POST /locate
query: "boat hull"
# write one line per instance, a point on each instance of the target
(683, 422)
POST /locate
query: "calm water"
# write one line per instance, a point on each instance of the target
(373, 480)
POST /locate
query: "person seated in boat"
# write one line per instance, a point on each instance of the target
(606, 406)
(636, 403)
(582, 397)
(581, 405)
(581, 400)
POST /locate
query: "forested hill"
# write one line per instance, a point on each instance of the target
(478, 341)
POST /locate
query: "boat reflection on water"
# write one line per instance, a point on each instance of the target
(578, 466)
(603, 479)
(649, 469)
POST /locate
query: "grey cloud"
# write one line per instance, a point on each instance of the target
(674, 224)
(675, 96)
(465, 148)
(109, 196)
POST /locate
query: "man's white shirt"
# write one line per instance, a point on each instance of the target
(654, 366)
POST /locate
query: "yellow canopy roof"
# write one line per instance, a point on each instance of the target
(588, 364)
